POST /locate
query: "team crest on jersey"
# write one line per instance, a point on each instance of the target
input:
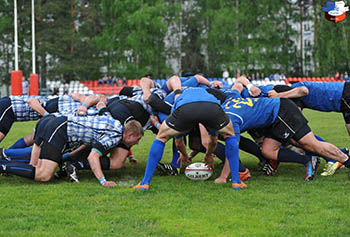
(335, 11)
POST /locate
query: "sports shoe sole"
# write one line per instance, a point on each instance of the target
(140, 187)
(240, 186)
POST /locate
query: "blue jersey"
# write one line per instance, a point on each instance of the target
(264, 91)
(185, 82)
(194, 94)
(248, 113)
(323, 96)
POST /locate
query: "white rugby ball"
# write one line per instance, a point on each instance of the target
(198, 171)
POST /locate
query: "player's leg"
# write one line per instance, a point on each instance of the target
(310, 143)
(35, 155)
(155, 154)
(231, 151)
(172, 168)
(49, 159)
(45, 170)
(17, 168)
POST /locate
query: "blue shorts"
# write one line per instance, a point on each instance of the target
(7, 117)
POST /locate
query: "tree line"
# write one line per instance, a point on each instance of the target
(85, 39)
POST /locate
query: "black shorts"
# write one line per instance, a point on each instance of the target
(7, 117)
(187, 116)
(290, 123)
(52, 130)
(51, 106)
(119, 111)
(345, 103)
(50, 152)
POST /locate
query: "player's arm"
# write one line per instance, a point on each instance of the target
(77, 96)
(36, 106)
(146, 85)
(155, 121)
(293, 93)
(94, 161)
(75, 153)
(89, 101)
(204, 81)
(253, 90)
(213, 140)
(238, 87)
(180, 144)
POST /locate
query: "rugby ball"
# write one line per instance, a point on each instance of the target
(198, 171)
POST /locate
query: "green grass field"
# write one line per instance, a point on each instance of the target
(281, 205)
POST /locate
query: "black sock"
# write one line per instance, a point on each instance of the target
(18, 168)
(251, 147)
(347, 163)
(220, 151)
(286, 155)
(81, 164)
(241, 167)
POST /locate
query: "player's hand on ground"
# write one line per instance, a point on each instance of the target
(133, 161)
(272, 93)
(109, 184)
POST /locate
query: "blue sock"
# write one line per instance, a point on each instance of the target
(20, 143)
(23, 159)
(176, 155)
(18, 152)
(231, 150)
(155, 155)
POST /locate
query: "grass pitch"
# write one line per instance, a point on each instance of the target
(174, 206)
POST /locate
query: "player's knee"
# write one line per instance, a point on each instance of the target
(269, 153)
(42, 177)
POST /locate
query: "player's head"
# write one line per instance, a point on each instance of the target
(133, 132)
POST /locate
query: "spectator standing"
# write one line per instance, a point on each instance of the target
(336, 76)
(25, 85)
(225, 74)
